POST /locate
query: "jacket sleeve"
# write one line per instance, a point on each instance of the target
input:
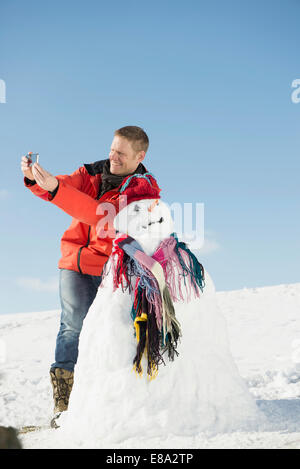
(75, 180)
(69, 198)
(80, 205)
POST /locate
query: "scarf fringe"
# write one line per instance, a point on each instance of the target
(158, 282)
(193, 270)
(148, 341)
(180, 263)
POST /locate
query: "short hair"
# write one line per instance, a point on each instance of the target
(136, 136)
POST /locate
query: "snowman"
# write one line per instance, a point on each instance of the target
(154, 358)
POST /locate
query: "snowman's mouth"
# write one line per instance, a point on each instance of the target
(153, 222)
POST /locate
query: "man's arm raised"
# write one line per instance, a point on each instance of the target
(75, 179)
(80, 205)
(73, 201)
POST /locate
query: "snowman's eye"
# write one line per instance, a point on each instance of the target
(136, 208)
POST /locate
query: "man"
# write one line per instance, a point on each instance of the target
(84, 253)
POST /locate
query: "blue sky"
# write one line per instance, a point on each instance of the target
(210, 82)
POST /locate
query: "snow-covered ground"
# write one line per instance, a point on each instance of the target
(264, 332)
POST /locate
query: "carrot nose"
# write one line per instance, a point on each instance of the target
(153, 205)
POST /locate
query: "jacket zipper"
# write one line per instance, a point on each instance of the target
(80, 249)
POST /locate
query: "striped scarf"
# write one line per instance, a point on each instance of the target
(156, 282)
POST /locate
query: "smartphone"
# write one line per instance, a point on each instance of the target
(34, 157)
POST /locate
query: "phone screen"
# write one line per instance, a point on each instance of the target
(34, 157)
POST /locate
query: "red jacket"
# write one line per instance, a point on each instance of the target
(77, 195)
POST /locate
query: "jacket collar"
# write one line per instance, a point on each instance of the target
(94, 168)
(97, 167)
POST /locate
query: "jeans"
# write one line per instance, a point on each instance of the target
(77, 292)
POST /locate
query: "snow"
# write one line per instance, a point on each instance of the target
(263, 326)
(235, 384)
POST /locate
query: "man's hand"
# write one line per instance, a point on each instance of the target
(44, 179)
(26, 168)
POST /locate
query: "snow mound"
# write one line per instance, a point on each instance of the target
(263, 341)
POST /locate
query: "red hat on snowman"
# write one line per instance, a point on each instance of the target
(138, 187)
(134, 187)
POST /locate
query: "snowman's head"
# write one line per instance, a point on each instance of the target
(148, 221)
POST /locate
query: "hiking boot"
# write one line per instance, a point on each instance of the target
(62, 383)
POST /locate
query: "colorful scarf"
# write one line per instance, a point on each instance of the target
(157, 283)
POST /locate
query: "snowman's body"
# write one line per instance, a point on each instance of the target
(201, 390)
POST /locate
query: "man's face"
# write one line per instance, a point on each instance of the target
(123, 158)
